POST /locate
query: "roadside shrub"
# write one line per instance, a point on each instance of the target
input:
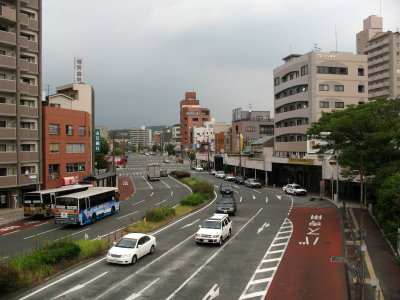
(9, 277)
(203, 187)
(180, 174)
(58, 252)
(91, 248)
(159, 214)
(194, 199)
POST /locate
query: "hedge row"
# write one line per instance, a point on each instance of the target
(159, 214)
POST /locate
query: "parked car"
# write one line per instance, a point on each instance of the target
(220, 174)
(212, 172)
(163, 173)
(229, 177)
(294, 189)
(166, 161)
(253, 183)
(214, 230)
(131, 247)
(225, 188)
(227, 205)
(198, 169)
(239, 180)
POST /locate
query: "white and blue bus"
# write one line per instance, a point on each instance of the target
(87, 206)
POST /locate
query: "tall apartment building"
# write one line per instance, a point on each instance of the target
(191, 115)
(141, 136)
(307, 85)
(248, 126)
(20, 101)
(383, 50)
(204, 135)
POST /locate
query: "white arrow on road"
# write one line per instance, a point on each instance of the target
(266, 199)
(279, 197)
(240, 199)
(79, 286)
(265, 225)
(254, 197)
(213, 293)
(134, 296)
(190, 224)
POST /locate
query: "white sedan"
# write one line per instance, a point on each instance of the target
(198, 169)
(131, 247)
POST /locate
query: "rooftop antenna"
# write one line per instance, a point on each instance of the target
(250, 107)
(48, 89)
(290, 48)
(193, 86)
(316, 48)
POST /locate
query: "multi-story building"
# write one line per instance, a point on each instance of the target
(248, 126)
(383, 50)
(203, 136)
(20, 105)
(221, 131)
(67, 145)
(191, 115)
(141, 136)
(307, 85)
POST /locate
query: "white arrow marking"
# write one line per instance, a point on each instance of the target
(266, 199)
(161, 202)
(213, 293)
(172, 192)
(138, 202)
(151, 195)
(190, 224)
(79, 286)
(265, 225)
(279, 197)
(240, 199)
(134, 296)
(254, 197)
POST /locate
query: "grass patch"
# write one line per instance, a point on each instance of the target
(190, 181)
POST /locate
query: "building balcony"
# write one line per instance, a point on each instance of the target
(8, 14)
(33, 46)
(7, 62)
(8, 181)
(28, 22)
(7, 86)
(377, 77)
(26, 156)
(27, 111)
(297, 113)
(303, 96)
(8, 109)
(7, 38)
(378, 61)
(301, 80)
(33, 3)
(291, 146)
(378, 44)
(28, 89)
(8, 133)
(9, 157)
(28, 67)
(23, 42)
(299, 129)
(28, 133)
(28, 179)
(379, 85)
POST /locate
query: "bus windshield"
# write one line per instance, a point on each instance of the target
(32, 198)
(67, 203)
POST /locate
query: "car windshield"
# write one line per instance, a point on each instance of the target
(239, 178)
(212, 224)
(227, 201)
(126, 243)
(296, 186)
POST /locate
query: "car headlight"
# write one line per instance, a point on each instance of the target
(108, 253)
(125, 256)
(215, 236)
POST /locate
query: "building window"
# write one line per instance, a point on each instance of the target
(3, 171)
(82, 130)
(332, 70)
(323, 104)
(339, 88)
(54, 169)
(204, 119)
(54, 148)
(304, 70)
(276, 81)
(361, 88)
(27, 147)
(2, 147)
(250, 129)
(54, 128)
(360, 71)
(75, 167)
(75, 148)
(26, 170)
(339, 104)
(3, 124)
(195, 119)
(324, 87)
(69, 130)
(27, 125)
(266, 129)
(2, 99)
(192, 113)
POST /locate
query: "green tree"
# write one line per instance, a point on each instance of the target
(104, 147)
(117, 151)
(170, 149)
(191, 155)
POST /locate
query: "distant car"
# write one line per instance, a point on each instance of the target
(131, 247)
(198, 169)
(253, 183)
(212, 172)
(225, 188)
(167, 161)
(239, 180)
(147, 154)
(192, 167)
(227, 205)
(163, 173)
(220, 174)
(214, 230)
(294, 189)
(229, 177)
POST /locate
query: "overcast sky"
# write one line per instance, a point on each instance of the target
(141, 56)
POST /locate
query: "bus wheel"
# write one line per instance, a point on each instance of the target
(112, 210)
(93, 218)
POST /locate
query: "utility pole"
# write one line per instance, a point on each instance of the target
(208, 153)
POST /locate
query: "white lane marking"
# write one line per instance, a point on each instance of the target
(213, 293)
(266, 199)
(148, 183)
(135, 212)
(11, 232)
(138, 202)
(172, 192)
(175, 206)
(212, 257)
(257, 191)
(151, 195)
(44, 232)
(62, 279)
(240, 199)
(279, 197)
(41, 224)
(190, 224)
(73, 234)
(265, 225)
(160, 202)
(165, 184)
(136, 295)
(254, 197)
(79, 286)
(236, 192)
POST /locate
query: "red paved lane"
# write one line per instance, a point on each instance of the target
(306, 270)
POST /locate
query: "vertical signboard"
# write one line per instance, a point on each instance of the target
(78, 70)
(97, 140)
